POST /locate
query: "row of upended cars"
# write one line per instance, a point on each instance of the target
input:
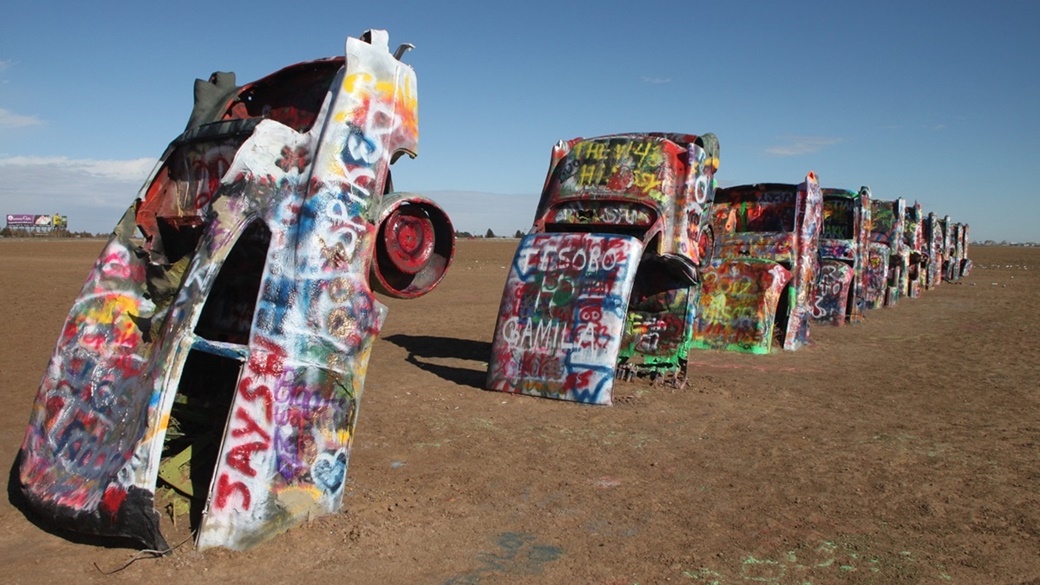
(214, 360)
(746, 268)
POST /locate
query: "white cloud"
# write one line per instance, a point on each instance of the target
(9, 119)
(4, 64)
(121, 170)
(657, 80)
(92, 193)
(799, 145)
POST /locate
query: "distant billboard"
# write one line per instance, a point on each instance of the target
(28, 220)
(20, 220)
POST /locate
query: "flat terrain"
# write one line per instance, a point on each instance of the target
(902, 450)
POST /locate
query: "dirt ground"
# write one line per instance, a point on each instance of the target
(902, 450)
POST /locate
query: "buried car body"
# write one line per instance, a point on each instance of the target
(765, 267)
(608, 273)
(219, 345)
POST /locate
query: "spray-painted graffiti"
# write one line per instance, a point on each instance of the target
(948, 249)
(914, 242)
(760, 227)
(936, 252)
(239, 332)
(887, 256)
(562, 316)
(595, 213)
(957, 263)
(659, 315)
(837, 296)
(833, 289)
(663, 183)
(650, 191)
(518, 553)
(875, 275)
(85, 423)
(738, 305)
(965, 243)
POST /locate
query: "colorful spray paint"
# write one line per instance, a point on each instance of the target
(643, 202)
(837, 297)
(958, 264)
(936, 250)
(562, 316)
(249, 306)
(766, 265)
(915, 243)
(887, 259)
(949, 246)
(965, 243)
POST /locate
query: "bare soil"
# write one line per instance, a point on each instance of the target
(901, 450)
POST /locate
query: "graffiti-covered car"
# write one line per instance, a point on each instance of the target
(887, 258)
(220, 343)
(934, 242)
(949, 248)
(837, 296)
(765, 266)
(964, 242)
(957, 263)
(917, 251)
(607, 274)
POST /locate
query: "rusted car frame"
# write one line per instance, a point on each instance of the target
(220, 343)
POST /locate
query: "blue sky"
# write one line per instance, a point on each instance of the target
(937, 102)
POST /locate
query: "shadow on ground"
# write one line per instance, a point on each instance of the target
(422, 348)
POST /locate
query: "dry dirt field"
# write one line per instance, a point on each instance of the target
(902, 450)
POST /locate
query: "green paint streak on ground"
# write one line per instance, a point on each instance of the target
(801, 565)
